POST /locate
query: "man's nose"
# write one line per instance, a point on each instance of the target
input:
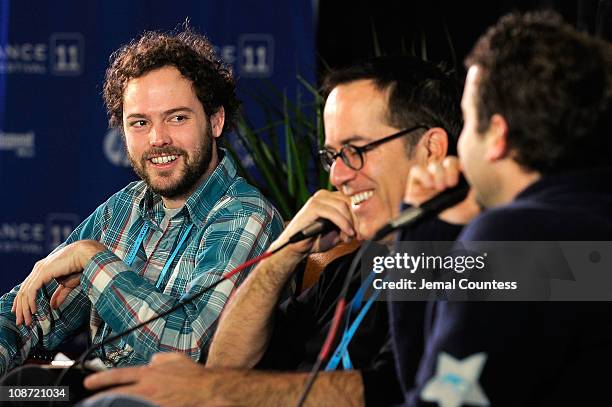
(340, 173)
(159, 136)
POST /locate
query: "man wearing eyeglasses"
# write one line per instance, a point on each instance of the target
(381, 117)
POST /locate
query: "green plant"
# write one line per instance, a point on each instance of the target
(284, 151)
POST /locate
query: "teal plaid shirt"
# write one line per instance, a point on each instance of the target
(232, 222)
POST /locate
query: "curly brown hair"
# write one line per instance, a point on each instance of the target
(191, 53)
(553, 85)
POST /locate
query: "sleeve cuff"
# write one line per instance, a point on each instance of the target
(100, 272)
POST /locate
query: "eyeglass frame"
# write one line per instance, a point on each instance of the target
(361, 150)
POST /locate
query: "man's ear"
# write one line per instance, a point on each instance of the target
(436, 144)
(497, 138)
(217, 120)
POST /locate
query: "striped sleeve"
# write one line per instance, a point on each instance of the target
(123, 298)
(49, 327)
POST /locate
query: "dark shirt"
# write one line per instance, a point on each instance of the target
(533, 353)
(302, 323)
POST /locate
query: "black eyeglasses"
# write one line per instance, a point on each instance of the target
(353, 156)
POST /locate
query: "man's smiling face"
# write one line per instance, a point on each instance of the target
(168, 135)
(356, 113)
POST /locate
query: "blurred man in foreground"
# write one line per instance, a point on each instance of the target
(536, 148)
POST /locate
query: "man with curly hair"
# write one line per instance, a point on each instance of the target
(157, 241)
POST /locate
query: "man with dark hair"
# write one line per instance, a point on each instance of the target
(535, 148)
(192, 54)
(157, 241)
(381, 117)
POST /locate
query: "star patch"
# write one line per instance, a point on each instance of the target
(456, 382)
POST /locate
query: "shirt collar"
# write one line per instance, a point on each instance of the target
(201, 201)
(570, 181)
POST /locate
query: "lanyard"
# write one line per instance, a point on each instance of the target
(162, 275)
(134, 249)
(132, 254)
(341, 352)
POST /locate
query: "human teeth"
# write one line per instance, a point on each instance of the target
(164, 159)
(360, 197)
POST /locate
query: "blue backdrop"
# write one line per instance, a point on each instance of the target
(58, 161)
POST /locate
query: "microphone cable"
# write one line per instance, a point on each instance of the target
(335, 323)
(319, 227)
(80, 364)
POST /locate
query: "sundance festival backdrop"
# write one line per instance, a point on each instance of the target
(58, 160)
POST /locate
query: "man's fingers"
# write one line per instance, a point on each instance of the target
(20, 303)
(31, 296)
(346, 238)
(420, 186)
(165, 357)
(439, 177)
(113, 377)
(328, 205)
(452, 170)
(53, 299)
(420, 176)
(25, 303)
(17, 298)
(425, 182)
(335, 202)
(59, 296)
(71, 280)
(17, 305)
(25, 310)
(340, 216)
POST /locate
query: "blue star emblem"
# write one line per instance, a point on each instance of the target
(456, 382)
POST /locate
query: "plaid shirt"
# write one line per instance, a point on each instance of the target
(232, 223)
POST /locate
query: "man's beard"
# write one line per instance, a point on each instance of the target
(195, 165)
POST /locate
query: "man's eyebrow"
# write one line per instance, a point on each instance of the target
(178, 109)
(165, 113)
(136, 116)
(351, 140)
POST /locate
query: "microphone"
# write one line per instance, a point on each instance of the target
(432, 207)
(78, 375)
(319, 227)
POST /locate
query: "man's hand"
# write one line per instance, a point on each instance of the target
(171, 379)
(327, 205)
(65, 265)
(426, 182)
(242, 336)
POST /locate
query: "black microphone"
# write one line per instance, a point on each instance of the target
(432, 207)
(319, 227)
